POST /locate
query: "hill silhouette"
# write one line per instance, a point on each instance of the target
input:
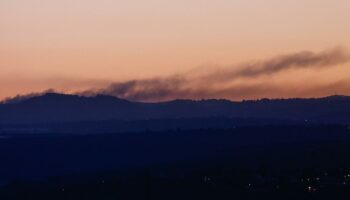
(62, 108)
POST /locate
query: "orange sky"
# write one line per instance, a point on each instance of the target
(82, 44)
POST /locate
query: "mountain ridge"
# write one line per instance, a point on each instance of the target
(104, 96)
(55, 107)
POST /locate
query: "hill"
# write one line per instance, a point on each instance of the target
(102, 111)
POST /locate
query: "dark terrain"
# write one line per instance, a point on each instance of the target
(245, 162)
(69, 147)
(60, 108)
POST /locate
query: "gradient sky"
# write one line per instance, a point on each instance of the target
(73, 45)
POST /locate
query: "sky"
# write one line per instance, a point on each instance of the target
(159, 50)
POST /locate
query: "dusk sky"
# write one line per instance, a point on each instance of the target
(160, 50)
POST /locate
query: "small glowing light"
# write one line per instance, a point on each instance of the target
(206, 179)
(311, 189)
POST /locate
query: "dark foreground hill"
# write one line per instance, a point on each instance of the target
(182, 149)
(59, 108)
(286, 162)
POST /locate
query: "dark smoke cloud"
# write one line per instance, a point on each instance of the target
(281, 63)
(246, 81)
(214, 84)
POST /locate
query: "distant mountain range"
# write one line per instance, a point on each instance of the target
(54, 107)
(62, 108)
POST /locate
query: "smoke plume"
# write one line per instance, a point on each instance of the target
(216, 84)
(245, 81)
